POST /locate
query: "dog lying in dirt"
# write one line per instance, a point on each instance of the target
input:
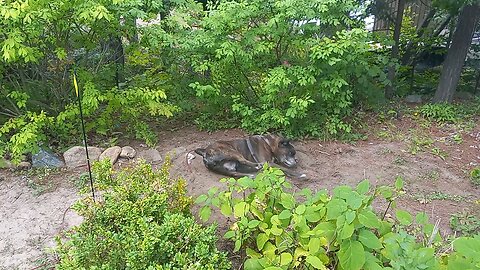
(245, 157)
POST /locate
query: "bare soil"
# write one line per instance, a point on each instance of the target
(435, 183)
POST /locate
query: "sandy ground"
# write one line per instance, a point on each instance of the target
(29, 223)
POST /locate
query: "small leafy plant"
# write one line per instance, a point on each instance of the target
(465, 223)
(475, 176)
(278, 229)
(141, 221)
(314, 231)
(442, 113)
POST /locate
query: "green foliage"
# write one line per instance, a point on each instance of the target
(41, 43)
(281, 230)
(285, 65)
(439, 112)
(465, 223)
(23, 134)
(105, 112)
(475, 176)
(141, 221)
(466, 255)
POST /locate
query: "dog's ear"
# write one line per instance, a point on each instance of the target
(201, 151)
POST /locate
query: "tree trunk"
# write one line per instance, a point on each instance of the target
(390, 90)
(452, 68)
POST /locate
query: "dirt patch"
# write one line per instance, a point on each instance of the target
(435, 184)
(29, 221)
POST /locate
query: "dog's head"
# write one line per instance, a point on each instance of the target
(282, 151)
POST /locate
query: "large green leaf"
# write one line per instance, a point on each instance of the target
(205, 213)
(252, 264)
(363, 187)
(315, 262)
(262, 238)
(368, 219)
(351, 255)
(347, 231)
(369, 239)
(287, 200)
(404, 217)
(335, 208)
(240, 209)
(285, 258)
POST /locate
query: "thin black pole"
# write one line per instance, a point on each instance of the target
(83, 131)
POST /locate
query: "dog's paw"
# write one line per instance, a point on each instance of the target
(190, 157)
(303, 176)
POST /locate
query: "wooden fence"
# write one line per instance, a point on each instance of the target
(419, 10)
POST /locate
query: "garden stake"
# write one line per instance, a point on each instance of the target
(83, 131)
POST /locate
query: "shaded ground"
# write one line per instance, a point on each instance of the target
(436, 178)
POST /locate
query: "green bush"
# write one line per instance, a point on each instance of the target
(141, 221)
(275, 65)
(281, 230)
(105, 112)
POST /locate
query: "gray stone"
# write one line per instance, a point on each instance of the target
(76, 156)
(150, 155)
(24, 165)
(128, 152)
(414, 99)
(111, 153)
(46, 158)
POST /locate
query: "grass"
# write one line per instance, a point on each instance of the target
(437, 196)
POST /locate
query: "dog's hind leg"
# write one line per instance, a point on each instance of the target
(234, 169)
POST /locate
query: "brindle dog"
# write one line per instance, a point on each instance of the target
(245, 157)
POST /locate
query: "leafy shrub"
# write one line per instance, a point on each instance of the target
(439, 112)
(281, 230)
(104, 111)
(282, 65)
(465, 223)
(142, 221)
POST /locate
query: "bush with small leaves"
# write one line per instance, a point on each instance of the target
(141, 221)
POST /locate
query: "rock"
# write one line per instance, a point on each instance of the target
(111, 153)
(176, 152)
(24, 165)
(150, 155)
(128, 152)
(76, 157)
(416, 99)
(46, 158)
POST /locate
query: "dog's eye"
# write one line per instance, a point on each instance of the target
(284, 143)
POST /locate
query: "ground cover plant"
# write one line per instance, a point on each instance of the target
(141, 220)
(278, 229)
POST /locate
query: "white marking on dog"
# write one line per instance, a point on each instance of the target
(190, 157)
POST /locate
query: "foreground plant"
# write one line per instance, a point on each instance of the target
(281, 230)
(142, 221)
